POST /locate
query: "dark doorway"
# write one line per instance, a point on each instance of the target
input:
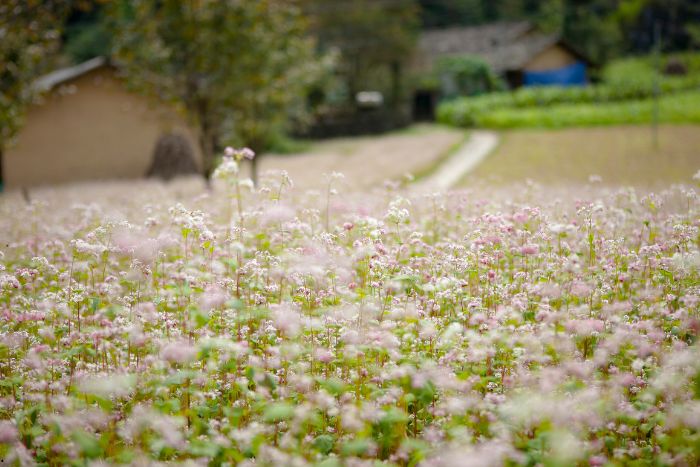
(424, 105)
(514, 78)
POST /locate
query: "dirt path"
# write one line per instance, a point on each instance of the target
(479, 145)
(366, 161)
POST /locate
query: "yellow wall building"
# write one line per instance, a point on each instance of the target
(88, 126)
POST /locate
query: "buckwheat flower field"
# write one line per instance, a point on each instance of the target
(143, 323)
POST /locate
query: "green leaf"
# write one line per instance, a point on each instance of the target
(200, 448)
(393, 416)
(330, 462)
(88, 444)
(324, 443)
(334, 386)
(356, 447)
(200, 317)
(278, 412)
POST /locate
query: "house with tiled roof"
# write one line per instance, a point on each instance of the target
(516, 51)
(512, 49)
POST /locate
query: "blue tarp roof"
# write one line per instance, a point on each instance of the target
(572, 75)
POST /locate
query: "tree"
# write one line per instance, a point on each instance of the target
(370, 35)
(29, 35)
(677, 21)
(86, 34)
(238, 69)
(466, 75)
(443, 13)
(590, 24)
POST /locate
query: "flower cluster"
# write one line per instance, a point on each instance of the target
(521, 326)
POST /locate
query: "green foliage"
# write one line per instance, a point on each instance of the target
(324, 443)
(466, 76)
(87, 39)
(29, 33)
(356, 447)
(642, 69)
(593, 28)
(443, 13)
(677, 108)
(375, 40)
(628, 82)
(278, 412)
(239, 70)
(470, 111)
(620, 72)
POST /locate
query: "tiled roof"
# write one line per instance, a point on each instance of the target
(55, 78)
(471, 40)
(504, 46)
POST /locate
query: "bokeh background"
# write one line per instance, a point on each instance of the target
(95, 90)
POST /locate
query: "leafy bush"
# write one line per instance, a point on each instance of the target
(677, 108)
(643, 68)
(625, 80)
(468, 111)
(466, 76)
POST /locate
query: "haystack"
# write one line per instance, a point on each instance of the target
(172, 157)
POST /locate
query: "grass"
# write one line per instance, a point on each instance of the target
(678, 108)
(620, 154)
(292, 145)
(348, 145)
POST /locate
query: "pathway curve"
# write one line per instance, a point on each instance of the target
(367, 161)
(479, 145)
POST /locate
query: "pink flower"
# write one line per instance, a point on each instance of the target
(213, 297)
(529, 249)
(247, 153)
(277, 214)
(178, 352)
(8, 432)
(324, 355)
(239, 154)
(585, 327)
(520, 217)
(286, 319)
(580, 289)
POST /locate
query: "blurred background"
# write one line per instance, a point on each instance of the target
(125, 89)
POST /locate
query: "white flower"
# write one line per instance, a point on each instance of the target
(227, 169)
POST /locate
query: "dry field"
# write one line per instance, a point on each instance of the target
(619, 155)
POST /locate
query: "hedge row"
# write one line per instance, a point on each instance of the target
(677, 108)
(469, 111)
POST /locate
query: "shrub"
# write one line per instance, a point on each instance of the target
(678, 108)
(625, 80)
(466, 76)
